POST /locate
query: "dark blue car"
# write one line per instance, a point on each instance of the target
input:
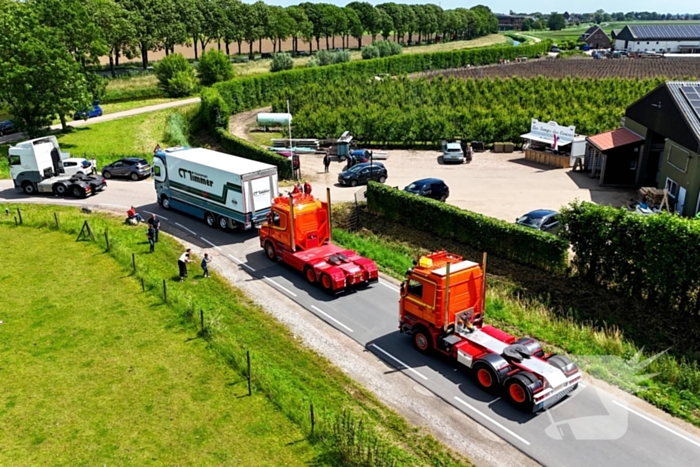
(7, 127)
(96, 111)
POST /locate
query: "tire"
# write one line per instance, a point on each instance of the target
(443, 198)
(518, 393)
(28, 188)
(60, 189)
(99, 114)
(78, 192)
(106, 174)
(310, 274)
(223, 222)
(165, 202)
(422, 340)
(382, 179)
(134, 176)
(210, 219)
(485, 378)
(353, 183)
(270, 251)
(326, 283)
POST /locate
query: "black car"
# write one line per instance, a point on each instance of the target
(134, 168)
(360, 174)
(430, 188)
(7, 127)
(545, 220)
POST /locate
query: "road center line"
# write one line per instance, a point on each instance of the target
(280, 286)
(660, 425)
(398, 361)
(162, 217)
(241, 263)
(330, 317)
(182, 226)
(395, 289)
(510, 432)
(210, 243)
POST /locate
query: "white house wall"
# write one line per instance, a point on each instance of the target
(655, 46)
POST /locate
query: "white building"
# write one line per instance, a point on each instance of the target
(671, 38)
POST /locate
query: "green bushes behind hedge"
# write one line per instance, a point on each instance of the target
(503, 239)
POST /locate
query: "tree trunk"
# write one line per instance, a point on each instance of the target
(334, 42)
(194, 38)
(228, 52)
(144, 56)
(167, 50)
(250, 54)
(359, 43)
(239, 46)
(111, 64)
(116, 57)
(279, 44)
(327, 44)
(63, 122)
(203, 42)
(218, 44)
(274, 46)
(295, 45)
(318, 43)
(260, 46)
(311, 47)
(410, 38)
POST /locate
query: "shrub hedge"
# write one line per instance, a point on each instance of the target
(503, 239)
(654, 258)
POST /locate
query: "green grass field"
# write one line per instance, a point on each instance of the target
(352, 426)
(575, 32)
(98, 373)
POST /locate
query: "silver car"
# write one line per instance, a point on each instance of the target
(452, 153)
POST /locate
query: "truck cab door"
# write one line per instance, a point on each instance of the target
(160, 173)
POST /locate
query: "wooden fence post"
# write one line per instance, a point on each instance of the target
(165, 292)
(16, 223)
(55, 216)
(143, 285)
(201, 319)
(19, 213)
(250, 391)
(133, 262)
(107, 239)
(313, 419)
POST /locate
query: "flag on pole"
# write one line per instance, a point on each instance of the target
(556, 140)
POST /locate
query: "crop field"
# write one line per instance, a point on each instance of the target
(672, 68)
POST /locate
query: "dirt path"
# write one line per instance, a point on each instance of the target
(238, 123)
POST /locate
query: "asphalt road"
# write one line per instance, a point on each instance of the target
(12, 137)
(590, 427)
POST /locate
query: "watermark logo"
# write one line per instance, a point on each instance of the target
(600, 417)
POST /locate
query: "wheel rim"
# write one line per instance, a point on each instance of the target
(270, 250)
(106, 175)
(310, 276)
(484, 377)
(210, 220)
(517, 393)
(60, 189)
(326, 281)
(421, 341)
(134, 177)
(382, 179)
(166, 203)
(353, 183)
(223, 222)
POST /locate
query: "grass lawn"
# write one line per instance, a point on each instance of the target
(263, 66)
(132, 87)
(575, 32)
(98, 373)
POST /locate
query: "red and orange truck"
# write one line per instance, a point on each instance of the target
(297, 232)
(442, 308)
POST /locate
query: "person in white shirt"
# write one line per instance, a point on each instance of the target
(182, 264)
(93, 162)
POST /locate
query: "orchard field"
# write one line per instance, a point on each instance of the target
(410, 111)
(671, 68)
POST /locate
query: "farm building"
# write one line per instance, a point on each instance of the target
(596, 38)
(511, 22)
(657, 146)
(673, 38)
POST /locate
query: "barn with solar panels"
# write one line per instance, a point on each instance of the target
(667, 125)
(663, 38)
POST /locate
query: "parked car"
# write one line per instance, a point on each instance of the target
(430, 188)
(362, 173)
(555, 49)
(84, 114)
(134, 168)
(452, 153)
(7, 127)
(545, 220)
(77, 165)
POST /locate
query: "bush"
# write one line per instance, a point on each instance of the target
(387, 48)
(483, 233)
(214, 66)
(282, 61)
(324, 57)
(313, 61)
(369, 52)
(341, 57)
(395, 48)
(167, 68)
(182, 84)
(176, 130)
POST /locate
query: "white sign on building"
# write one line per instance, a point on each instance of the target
(544, 132)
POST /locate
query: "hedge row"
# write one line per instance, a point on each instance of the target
(503, 239)
(654, 258)
(120, 95)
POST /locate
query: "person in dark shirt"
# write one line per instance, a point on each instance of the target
(155, 223)
(151, 238)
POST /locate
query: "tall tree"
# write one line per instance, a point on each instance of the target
(385, 24)
(355, 28)
(556, 22)
(146, 20)
(116, 25)
(368, 17)
(302, 26)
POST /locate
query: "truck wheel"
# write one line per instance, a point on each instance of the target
(60, 189)
(326, 283)
(135, 177)
(310, 274)
(486, 379)
(518, 392)
(210, 219)
(223, 222)
(270, 251)
(78, 192)
(28, 188)
(106, 174)
(422, 340)
(165, 202)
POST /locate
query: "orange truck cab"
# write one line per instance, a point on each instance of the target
(442, 308)
(298, 233)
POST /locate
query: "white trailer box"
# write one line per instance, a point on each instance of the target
(221, 189)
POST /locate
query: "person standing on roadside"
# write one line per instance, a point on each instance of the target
(155, 223)
(326, 162)
(182, 264)
(151, 238)
(93, 162)
(205, 265)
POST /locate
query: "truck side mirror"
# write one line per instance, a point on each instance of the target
(402, 289)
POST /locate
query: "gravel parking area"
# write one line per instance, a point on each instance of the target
(504, 186)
